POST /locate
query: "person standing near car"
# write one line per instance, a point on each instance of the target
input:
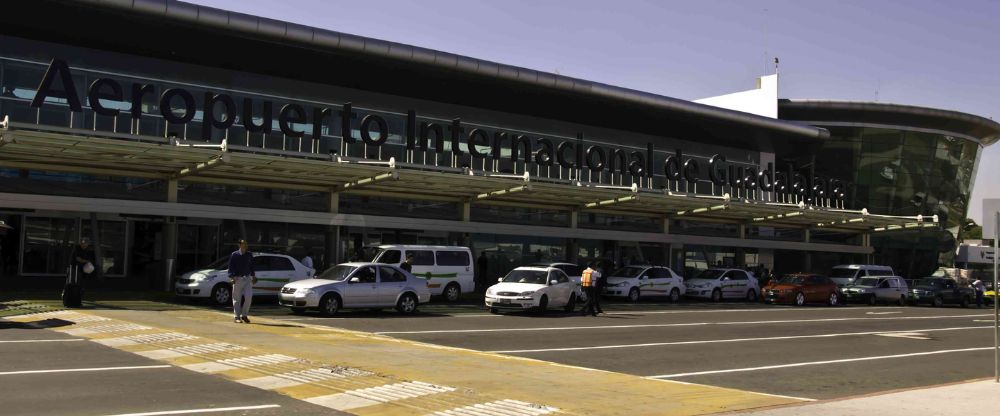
(408, 263)
(599, 283)
(980, 290)
(588, 283)
(242, 276)
(308, 260)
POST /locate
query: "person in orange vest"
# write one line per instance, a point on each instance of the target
(589, 283)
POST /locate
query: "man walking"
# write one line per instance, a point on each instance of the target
(599, 283)
(980, 290)
(242, 276)
(589, 283)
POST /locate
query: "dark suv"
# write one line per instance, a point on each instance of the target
(938, 291)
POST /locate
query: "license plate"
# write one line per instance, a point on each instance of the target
(506, 301)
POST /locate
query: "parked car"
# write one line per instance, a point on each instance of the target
(938, 291)
(801, 288)
(535, 288)
(212, 282)
(873, 290)
(447, 269)
(846, 274)
(635, 282)
(357, 285)
(573, 271)
(717, 284)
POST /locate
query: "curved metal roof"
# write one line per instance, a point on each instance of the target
(507, 88)
(983, 130)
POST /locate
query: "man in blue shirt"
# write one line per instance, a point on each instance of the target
(242, 276)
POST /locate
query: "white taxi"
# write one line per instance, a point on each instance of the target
(357, 285)
(535, 288)
(717, 284)
(635, 282)
(272, 270)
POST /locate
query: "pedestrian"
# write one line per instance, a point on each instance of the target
(242, 277)
(980, 290)
(599, 283)
(308, 260)
(589, 283)
(83, 258)
(408, 263)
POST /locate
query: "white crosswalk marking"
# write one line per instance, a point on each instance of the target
(144, 339)
(206, 348)
(257, 360)
(499, 408)
(296, 378)
(80, 319)
(376, 395)
(104, 329)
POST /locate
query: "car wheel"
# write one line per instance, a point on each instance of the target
(751, 295)
(298, 311)
(222, 294)
(571, 304)
(965, 301)
(494, 311)
(633, 295)
(800, 299)
(716, 295)
(675, 295)
(902, 300)
(407, 304)
(543, 304)
(452, 292)
(329, 304)
(938, 301)
(872, 300)
(833, 299)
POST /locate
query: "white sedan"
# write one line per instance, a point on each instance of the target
(638, 281)
(716, 284)
(357, 285)
(272, 270)
(535, 288)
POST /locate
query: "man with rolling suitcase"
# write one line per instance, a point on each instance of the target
(81, 265)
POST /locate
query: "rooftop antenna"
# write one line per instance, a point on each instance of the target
(775, 65)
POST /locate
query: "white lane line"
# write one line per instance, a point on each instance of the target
(45, 340)
(568, 328)
(721, 341)
(908, 335)
(499, 408)
(206, 410)
(846, 360)
(75, 370)
(880, 313)
(376, 395)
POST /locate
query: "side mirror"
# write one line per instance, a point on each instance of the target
(500, 279)
(644, 277)
(354, 280)
(724, 279)
(553, 282)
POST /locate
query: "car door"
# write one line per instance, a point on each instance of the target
(659, 281)
(739, 283)
(559, 292)
(391, 282)
(882, 290)
(949, 291)
(364, 291)
(262, 269)
(281, 272)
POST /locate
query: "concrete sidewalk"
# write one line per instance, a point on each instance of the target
(368, 374)
(970, 398)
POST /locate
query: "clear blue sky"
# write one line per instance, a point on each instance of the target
(930, 53)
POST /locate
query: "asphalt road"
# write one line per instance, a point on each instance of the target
(50, 373)
(810, 352)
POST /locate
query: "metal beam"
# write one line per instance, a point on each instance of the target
(358, 183)
(502, 192)
(201, 167)
(614, 201)
(779, 216)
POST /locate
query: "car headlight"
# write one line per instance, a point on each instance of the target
(304, 291)
(489, 292)
(527, 293)
(202, 277)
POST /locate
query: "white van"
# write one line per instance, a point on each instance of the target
(447, 269)
(846, 274)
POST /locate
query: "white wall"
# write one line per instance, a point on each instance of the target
(762, 101)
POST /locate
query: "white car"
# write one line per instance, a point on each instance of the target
(357, 285)
(635, 282)
(717, 284)
(272, 270)
(536, 288)
(573, 271)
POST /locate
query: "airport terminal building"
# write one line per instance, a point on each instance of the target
(165, 132)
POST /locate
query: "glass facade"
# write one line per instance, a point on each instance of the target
(895, 171)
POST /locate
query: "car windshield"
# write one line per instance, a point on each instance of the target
(866, 281)
(839, 273)
(220, 264)
(792, 280)
(526, 276)
(930, 282)
(337, 273)
(628, 271)
(710, 274)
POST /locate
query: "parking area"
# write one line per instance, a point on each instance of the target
(51, 373)
(808, 352)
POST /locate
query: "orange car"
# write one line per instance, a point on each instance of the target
(801, 288)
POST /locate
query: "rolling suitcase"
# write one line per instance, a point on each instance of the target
(72, 294)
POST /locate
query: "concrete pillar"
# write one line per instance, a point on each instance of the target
(467, 211)
(806, 236)
(172, 190)
(169, 252)
(807, 257)
(574, 218)
(333, 206)
(666, 224)
(572, 250)
(332, 243)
